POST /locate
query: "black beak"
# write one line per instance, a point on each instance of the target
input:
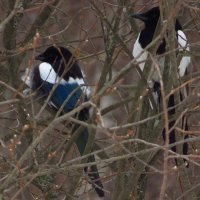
(139, 16)
(40, 57)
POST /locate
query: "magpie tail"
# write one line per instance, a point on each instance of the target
(81, 143)
(93, 174)
(185, 144)
(185, 128)
(172, 135)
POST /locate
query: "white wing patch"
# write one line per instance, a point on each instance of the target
(138, 55)
(182, 41)
(183, 46)
(81, 83)
(48, 74)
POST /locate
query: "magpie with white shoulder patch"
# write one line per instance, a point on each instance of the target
(145, 37)
(59, 68)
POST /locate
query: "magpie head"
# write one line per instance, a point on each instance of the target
(52, 54)
(150, 17)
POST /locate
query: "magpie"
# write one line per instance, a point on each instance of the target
(59, 74)
(145, 37)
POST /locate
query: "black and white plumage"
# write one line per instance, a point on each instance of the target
(150, 19)
(59, 68)
(145, 37)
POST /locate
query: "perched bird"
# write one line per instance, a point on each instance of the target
(145, 37)
(59, 74)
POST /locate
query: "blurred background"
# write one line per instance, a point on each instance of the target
(101, 35)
